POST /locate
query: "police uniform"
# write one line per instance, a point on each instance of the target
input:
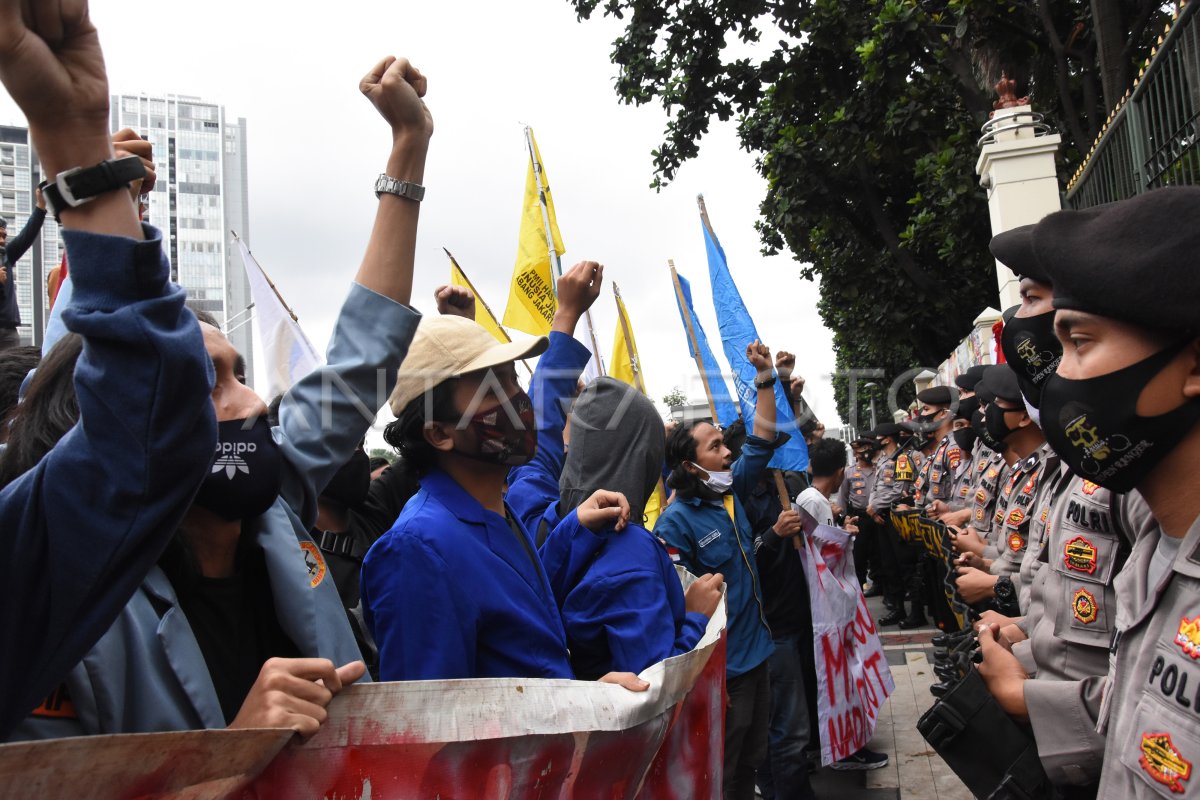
(944, 469)
(893, 479)
(991, 473)
(1015, 510)
(1087, 532)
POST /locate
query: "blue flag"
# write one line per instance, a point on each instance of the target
(726, 410)
(737, 331)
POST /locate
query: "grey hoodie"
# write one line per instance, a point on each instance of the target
(617, 443)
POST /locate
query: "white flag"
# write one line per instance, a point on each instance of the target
(594, 367)
(289, 355)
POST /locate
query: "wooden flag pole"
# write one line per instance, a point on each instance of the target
(479, 299)
(687, 321)
(634, 361)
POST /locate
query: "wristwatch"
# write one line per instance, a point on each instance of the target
(74, 187)
(406, 189)
(765, 383)
(1004, 589)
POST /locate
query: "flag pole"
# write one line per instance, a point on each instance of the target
(634, 361)
(687, 319)
(555, 263)
(479, 299)
(270, 282)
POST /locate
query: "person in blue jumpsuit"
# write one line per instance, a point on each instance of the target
(82, 528)
(239, 623)
(708, 525)
(456, 589)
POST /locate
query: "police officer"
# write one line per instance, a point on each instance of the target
(937, 406)
(1123, 411)
(895, 472)
(854, 497)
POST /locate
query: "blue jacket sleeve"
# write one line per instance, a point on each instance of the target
(84, 527)
(533, 487)
(566, 554)
(423, 628)
(756, 453)
(672, 528)
(327, 413)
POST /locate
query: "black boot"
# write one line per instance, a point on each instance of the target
(915, 618)
(897, 615)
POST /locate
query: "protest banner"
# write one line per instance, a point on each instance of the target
(497, 739)
(853, 678)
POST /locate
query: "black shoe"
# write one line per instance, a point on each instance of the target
(896, 616)
(913, 621)
(872, 590)
(863, 759)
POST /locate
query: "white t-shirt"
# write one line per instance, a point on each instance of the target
(816, 504)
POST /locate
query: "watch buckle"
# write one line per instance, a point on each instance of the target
(60, 181)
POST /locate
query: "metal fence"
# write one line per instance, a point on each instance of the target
(1152, 138)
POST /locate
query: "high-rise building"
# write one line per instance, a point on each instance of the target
(19, 174)
(198, 201)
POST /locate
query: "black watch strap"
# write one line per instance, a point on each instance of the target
(74, 187)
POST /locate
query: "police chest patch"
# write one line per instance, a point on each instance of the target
(314, 562)
(1163, 762)
(1016, 542)
(979, 514)
(1188, 636)
(1080, 555)
(981, 497)
(1016, 517)
(964, 491)
(982, 466)
(992, 474)
(1029, 484)
(1083, 606)
(1089, 488)
(935, 476)
(1045, 513)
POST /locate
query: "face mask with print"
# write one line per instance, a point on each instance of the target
(1094, 426)
(501, 440)
(246, 474)
(1033, 351)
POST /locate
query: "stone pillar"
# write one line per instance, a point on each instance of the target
(1016, 167)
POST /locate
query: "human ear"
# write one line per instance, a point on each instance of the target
(438, 437)
(1191, 384)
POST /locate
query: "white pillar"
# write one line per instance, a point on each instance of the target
(1016, 166)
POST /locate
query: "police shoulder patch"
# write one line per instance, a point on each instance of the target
(314, 562)
(1083, 606)
(954, 455)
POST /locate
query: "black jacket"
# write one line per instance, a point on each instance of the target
(10, 314)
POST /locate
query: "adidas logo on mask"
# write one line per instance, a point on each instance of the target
(230, 460)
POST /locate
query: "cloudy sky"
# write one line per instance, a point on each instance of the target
(316, 146)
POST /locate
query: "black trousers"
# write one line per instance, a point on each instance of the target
(747, 721)
(866, 546)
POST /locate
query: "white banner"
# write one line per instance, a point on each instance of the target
(853, 678)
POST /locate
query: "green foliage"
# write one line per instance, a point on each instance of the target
(675, 397)
(865, 118)
(379, 452)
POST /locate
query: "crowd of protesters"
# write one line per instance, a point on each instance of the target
(182, 555)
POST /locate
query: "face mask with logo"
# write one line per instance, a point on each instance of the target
(978, 425)
(1033, 351)
(717, 481)
(1094, 426)
(246, 474)
(498, 439)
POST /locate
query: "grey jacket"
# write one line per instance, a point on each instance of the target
(147, 673)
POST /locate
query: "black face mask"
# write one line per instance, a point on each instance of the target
(978, 425)
(1033, 351)
(351, 484)
(993, 419)
(965, 438)
(247, 473)
(1094, 426)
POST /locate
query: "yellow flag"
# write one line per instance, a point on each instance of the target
(531, 301)
(624, 364)
(654, 506)
(483, 314)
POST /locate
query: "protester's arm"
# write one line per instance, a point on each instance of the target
(424, 629)
(324, 417)
(19, 244)
(77, 547)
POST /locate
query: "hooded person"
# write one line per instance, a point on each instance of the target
(623, 606)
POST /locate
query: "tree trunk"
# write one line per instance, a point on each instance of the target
(1109, 28)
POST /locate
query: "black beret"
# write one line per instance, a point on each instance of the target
(1000, 382)
(889, 429)
(938, 396)
(969, 379)
(1136, 260)
(1014, 249)
(865, 440)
